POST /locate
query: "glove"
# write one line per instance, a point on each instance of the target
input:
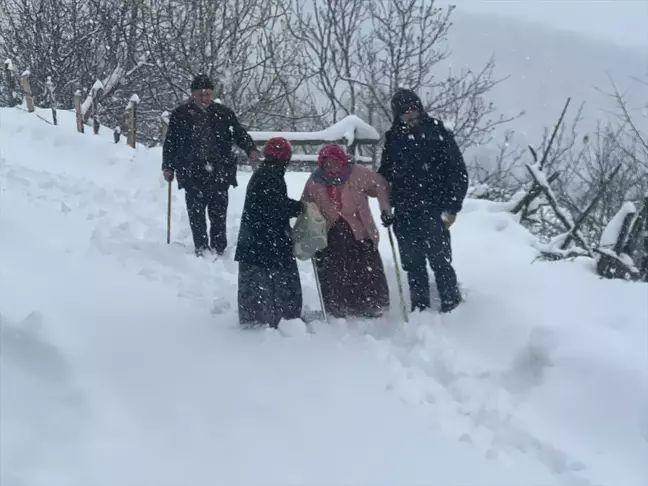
(448, 218)
(168, 175)
(387, 218)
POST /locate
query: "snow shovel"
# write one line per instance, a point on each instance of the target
(398, 275)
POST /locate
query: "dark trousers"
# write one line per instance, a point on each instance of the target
(424, 240)
(267, 295)
(214, 200)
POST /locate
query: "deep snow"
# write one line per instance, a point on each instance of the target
(122, 364)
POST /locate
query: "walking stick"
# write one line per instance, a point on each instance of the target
(319, 290)
(169, 214)
(398, 275)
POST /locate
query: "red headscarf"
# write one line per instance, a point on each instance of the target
(278, 148)
(337, 169)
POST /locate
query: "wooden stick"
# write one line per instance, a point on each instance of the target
(169, 214)
(77, 109)
(398, 276)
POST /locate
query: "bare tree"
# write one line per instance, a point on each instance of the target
(635, 134)
(329, 32)
(498, 179)
(87, 45)
(49, 38)
(277, 64)
(405, 48)
(239, 43)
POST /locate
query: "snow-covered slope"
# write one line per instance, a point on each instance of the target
(122, 363)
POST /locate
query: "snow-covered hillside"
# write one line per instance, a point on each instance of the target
(122, 363)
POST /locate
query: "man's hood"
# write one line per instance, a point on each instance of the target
(403, 100)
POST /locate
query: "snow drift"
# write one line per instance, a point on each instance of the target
(122, 362)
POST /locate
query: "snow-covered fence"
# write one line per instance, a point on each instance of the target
(51, 98)
(623, 248)
(12, 96)
(92, 102)
(77, 110)
(351, 132)
(13, 91)
(29, 97)
(131, 110)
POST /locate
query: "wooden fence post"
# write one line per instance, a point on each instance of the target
(94, 94)
(77, 108)
(29, 97)
(132, 120)
(52, 98)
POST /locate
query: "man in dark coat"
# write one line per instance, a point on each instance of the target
(269, 288)
(428, 181)
(198, 149)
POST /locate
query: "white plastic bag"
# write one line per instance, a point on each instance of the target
(309, 233)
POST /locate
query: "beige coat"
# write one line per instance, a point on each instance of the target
(362, 184)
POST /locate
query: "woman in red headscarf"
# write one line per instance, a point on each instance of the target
(350, 268)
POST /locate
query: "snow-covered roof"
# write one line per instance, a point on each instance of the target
(349, 129)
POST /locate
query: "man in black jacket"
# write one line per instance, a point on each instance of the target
(428, 181)
(198, 149)
(269, 288)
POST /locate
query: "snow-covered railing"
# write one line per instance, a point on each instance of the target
(352, 132)
(349, 131)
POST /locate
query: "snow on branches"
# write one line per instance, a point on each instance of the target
(623, 248)
(622, 251)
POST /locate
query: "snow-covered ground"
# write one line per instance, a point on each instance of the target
(122, 363)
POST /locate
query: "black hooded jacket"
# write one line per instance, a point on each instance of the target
(198, 145)
(423, 165)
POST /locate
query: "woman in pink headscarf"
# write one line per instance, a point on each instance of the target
(350, 268)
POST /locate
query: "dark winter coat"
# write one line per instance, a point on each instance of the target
(423, 165)
(265, 235)
(198, 145)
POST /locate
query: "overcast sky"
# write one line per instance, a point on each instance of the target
(622, 21)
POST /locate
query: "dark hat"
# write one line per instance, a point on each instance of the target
(404, 100)
(202, 81)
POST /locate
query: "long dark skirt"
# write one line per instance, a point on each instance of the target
(266, 295)
(351, 275)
